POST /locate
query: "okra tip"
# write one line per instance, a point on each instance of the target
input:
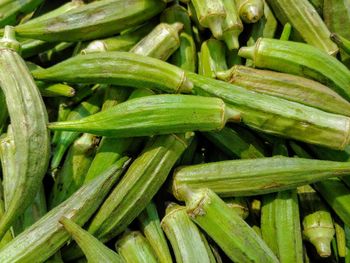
(247, 52)
(251, 14)
(94, 46)
(9, 39)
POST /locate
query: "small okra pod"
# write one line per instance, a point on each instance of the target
(239, 205)
(54, 90)
(124, 69)
(250, 11)
(287, 86)
(287, 29)
(232, 234)
(306, 21)
(41, 240)
(300, 59)
(150, 116)
(134, 248)
(94, 250)
(161, 42)
(138, 186)
(210, 14)
(317, 221)
(177, 13)
(151, 228)
(342, 42)
(29, 128)
(255, 176)
(188, 243)
(212, 58)
(186, 56)
(94, 20)
(340, 238)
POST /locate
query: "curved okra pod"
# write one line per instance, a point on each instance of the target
(94, 250)
(187, 241)
(94, 20)
(28, 120)
(38, 242)
(235, 237)
(150, 116)
(255, 176)
(287, 86)
(299, 59)
(306, 21)
(278, 116)
(250, 11)
(124, 69)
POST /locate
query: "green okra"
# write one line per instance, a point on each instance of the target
(94, 250)
(306, 21)
(88, 107)
(340, 238)
(317, 221)
(3, 111)
(134, 248)
(212, 58)
(54, 90)
(299, 59)
(186, 56)
(124, 69)
(278, 116)
(211, 14)
(32, 142)
(287, 29)
(62, 114)
(150, 116)
(161, 42)
(32, 47)
(342, 42)
(58, 53)
(41, 240)
(250, 11)
(289, 87)
(75, 167)
(94, 20)
(138, 186)
(299, 150)
(239, 205)
(255, 176)
(318, 5)
(235, 237)
(177, 13)
(237, 142)
(151, 228)
(187, 242)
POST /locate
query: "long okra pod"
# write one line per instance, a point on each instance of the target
(184, 236)
(41, 240)
(250, 11)
(97, 19)
(256, 176)
(28, 120)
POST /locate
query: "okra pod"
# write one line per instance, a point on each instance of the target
(318, 5)
(289, 87)
(342, 42)
(186, 240)
(134, 248)
(59, 52)
(250, 11)
(177, 13)
(340, 238)
(123, 70)
(150, 225)
(138, 186)
(54, 90)
(32, 142)
(94, 20)
(287, 29)
(299, 59)
(38, 242)
(235, 237)
(62, 114)
(255, 176)
(150, 116)
(3, 111)
(239, 205)
(306, 21)
(278, 116)
(94, 250)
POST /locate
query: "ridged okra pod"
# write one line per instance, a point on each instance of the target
(151, 228)
(255, 176)
(343, 43)
(306, 21)
(317, 221)
(138, 186)
(54, 90)
(188, 243)
(38, 242)
(210, 14)
(124, 69)
(278, 116)
(177, 13)
(239, 205)
(235, 237)
(94, 250)
(289, 87)
(94, 20)
(134, 248)
(150, 116)
(28, 120)
(300, 59)
(250, 11)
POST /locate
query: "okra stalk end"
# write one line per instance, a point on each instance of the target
(247, 52)
(9, 39)
(321, 239)
(214, 23)
(251, 14)
(231, 40)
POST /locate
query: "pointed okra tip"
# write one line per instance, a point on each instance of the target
(9, 41)
(251, 14)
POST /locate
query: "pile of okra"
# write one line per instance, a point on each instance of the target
(191, 131)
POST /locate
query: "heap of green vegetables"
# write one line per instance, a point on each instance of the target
(141, 131)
